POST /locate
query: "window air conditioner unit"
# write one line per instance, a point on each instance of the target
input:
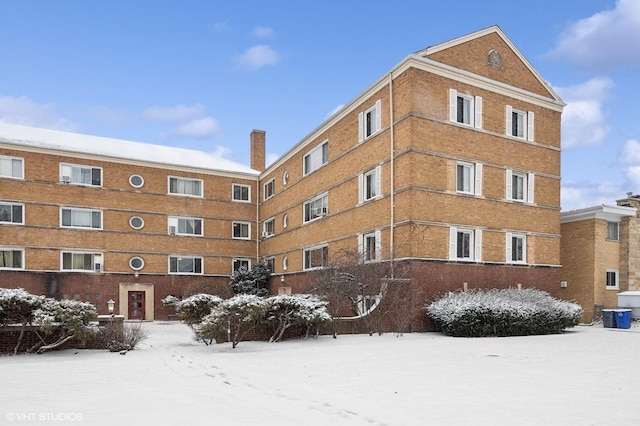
(172, 230)
(321, 211)
(97, 267)
(265, 234)
(66, 179)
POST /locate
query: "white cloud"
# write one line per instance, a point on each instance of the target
(270, 159)
(197, 128)
(222, 151)
(175, 114)
(605, 40)
(263, 31)
(22, 110)
(336, 109)
(579, 195)
(257, 57)
(630, 153)
(583, 120)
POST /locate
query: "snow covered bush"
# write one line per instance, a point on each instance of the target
(170, 301)
(194, 308)
(70, 318)
(284, 311)
(237, 316)
(118, 337)
(511, 312)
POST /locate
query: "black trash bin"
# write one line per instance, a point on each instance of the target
(609, 318)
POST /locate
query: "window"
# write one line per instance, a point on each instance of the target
(613, 231)
(80, 218)
(269, 227)
(316, 158)
(520, 123)
(316, 257)
(269, 189)
(136, 181)
(185, 226)
(465, 244)
(241, 263)
(11, 167)
(369, 121)
(78, 261)
(465, 109)
(241, 192)
(241, 230)
(136, 263)
(369, 184)
(11, 259)
(184, 186)
(11, 213)
(136, 222)
(520, 186)
(185, 265)
(369, 245)
(516, 248)
(80, 175)
(612, 279)
(469, 178)
(270, 262)
(316, 208)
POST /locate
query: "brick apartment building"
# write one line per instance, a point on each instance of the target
(600, 254)
(448, 165)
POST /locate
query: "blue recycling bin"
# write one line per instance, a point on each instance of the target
(623, 318)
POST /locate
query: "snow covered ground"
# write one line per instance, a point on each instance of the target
(587, 376)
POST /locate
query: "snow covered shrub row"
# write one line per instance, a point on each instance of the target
(194, 308)
(241, 314)
(71, 318)
(495, 312)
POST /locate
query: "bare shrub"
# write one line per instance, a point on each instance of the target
(118, 337)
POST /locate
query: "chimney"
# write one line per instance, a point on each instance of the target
(258, 138)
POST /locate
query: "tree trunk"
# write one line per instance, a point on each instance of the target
(59, 342)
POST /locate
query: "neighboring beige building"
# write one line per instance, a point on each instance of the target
(448, 165)
(595, 255)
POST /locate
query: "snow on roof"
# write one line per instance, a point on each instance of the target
(117, 149)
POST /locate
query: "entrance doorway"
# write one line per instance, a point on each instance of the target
(136, 305)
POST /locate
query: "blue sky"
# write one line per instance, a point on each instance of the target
(202, 74)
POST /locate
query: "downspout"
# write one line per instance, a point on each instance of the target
(258, 219)
(392, 179)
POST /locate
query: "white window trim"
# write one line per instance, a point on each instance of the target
(179, 194)
(178, 256)
(362, 238)
(309, 249)
(133, 176)
(362, 190)
(88, 228)
(528, 123)
(173, 222)
(240, 259)
(475, 248)
(265, 232)
(320, 148)
(617, 276)
(475, 113)
(376, 110)
(617, 239)
(131, 222)
(266, 196)
(22, 259)
(8, 157)
(241, 222)
(509, 246)
(97, 259)
(475, 177)
(132, 259)
(66, 171)
(23, 213)
(528, 190)
(272, 260)
(248, 200)
(325, 207)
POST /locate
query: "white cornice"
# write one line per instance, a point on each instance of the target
(610, 213)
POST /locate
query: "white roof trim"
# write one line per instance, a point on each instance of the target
(610, 213)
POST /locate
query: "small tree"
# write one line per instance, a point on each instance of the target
(251, 281)
(71, 317)
(238, 315)
(194, 308)
(18, 307)
(285, 311)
